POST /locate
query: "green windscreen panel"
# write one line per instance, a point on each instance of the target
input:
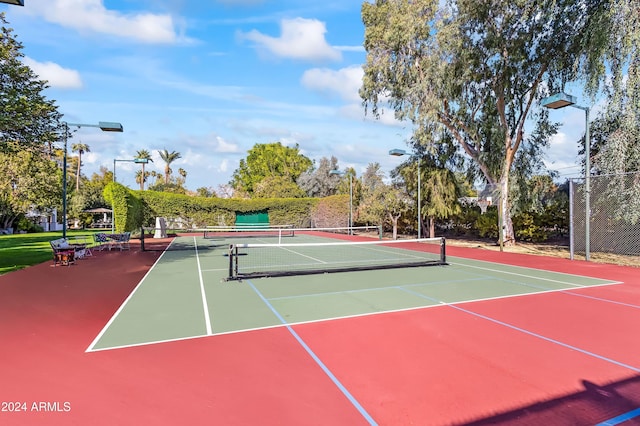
(252, 218)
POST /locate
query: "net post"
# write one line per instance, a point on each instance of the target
(443, 251)
(142, 238)
(230, 261)
(380, 232)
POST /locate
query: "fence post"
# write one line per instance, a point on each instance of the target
(571, 228)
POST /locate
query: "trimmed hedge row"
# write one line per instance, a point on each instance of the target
(134, 209)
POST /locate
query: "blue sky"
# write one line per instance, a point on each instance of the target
(211, 78)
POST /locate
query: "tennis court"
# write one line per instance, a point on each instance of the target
(187, 293)
(465, 340)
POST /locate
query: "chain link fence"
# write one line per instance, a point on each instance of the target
(614, 219)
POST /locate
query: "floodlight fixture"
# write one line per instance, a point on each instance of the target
(561, 100)
(398, 152)
(105, 126)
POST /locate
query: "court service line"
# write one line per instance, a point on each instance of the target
(317, 359)
(205, 305)
(117, 312)
(303, 255)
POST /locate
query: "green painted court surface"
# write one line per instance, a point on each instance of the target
(185, 294)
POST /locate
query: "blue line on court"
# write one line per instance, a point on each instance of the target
(324, 368)
(548, 339)
(621, 418)
(531, 333)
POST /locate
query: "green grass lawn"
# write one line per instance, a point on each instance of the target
(22, 250)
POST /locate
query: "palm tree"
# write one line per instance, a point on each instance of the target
(80, 148)
(168, 157)
(142, 177)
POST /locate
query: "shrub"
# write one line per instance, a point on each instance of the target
(487, 224)
(527, 227)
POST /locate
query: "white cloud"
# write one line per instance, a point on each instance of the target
(563, 148)
(224, 166)
(345, 82)
(224, 146)
(93, 16)
(57, 76)
(299, 39)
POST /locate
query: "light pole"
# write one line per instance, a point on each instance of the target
(339, 173)
(113, 210)
(400, 153)
(561, 100)
(105, 126)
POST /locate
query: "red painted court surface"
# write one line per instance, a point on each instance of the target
(567, 357)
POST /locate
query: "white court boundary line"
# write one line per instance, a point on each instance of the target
(415, 308)
(117, 312)
(123, 305)
(506, 265)
(539, 278)
(205, 305)
(210, 332)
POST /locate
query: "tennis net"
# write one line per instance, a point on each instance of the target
(214, 237)
(226, 232)
(272, 260)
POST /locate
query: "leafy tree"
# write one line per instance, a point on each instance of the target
(439, 190)
(30, 181)
(29, 125)
(534, 195)
(475, 70)
(384, 204)
(90, 195)
(441, 194)
(269, 160)
(205, 192)
(28, 119)
(372, 178)
(613, 62)
(319, 182)
(168, 158)
(103, 178)
(80, 148)
(172, 186)
(142, 177)
(465, 185)
(349, 184)
(613, 58)
(277, 187)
